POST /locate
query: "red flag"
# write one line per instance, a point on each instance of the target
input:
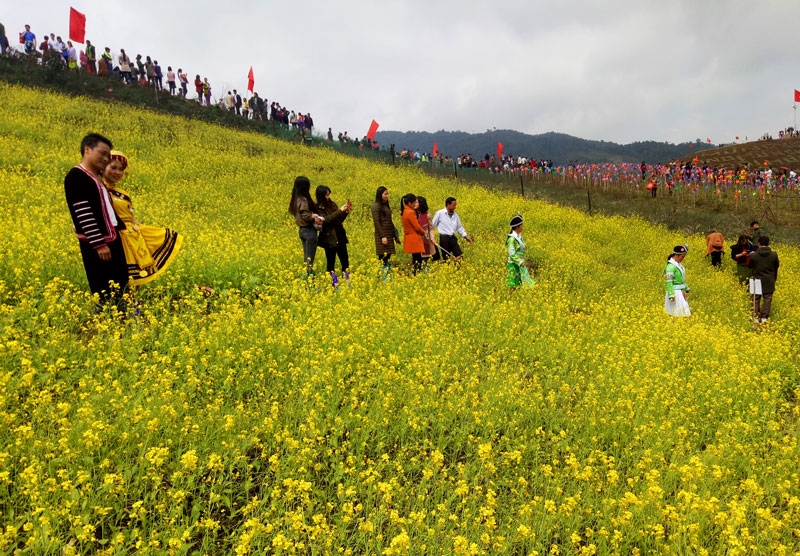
(796, 95)
(373, 127)
(77, 26)
(499, 150)
(250, 80)
(435, 149)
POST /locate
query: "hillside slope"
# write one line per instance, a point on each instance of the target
(776, 153)
(430, 414)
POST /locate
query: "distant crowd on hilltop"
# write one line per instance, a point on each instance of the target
(690, 174)
(52, 51)
(786, 133)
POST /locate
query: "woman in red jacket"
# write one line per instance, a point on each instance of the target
(429, 240)
(198, 87)
(413, 233)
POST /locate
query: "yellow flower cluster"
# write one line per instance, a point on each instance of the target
(436, 414)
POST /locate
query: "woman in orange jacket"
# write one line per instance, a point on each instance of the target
(413, 233)
(715, 246)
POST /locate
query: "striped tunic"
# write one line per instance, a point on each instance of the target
(90, 207)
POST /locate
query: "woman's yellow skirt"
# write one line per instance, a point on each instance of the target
(149, 251)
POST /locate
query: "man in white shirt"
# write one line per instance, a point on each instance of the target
(448, 224)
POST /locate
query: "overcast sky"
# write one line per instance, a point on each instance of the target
(617, 70)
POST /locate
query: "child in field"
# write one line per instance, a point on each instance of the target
(517, 274)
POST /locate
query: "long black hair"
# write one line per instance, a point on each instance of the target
(301, 189)
(379, 195)
(408, 199)
(321, 192)
(423, 205)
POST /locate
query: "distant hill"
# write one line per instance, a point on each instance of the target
(558, 147)
(776, 153)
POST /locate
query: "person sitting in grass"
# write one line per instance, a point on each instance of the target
(517, 274)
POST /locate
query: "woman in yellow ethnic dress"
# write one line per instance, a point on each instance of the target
(148, 250)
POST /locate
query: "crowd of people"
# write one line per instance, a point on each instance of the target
(691, 175)
(116, 249)
(120, 253)
(320, 223)
(786, 133)
(756, 267)
(53, 51)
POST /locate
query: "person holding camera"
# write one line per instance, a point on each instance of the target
(332, 237)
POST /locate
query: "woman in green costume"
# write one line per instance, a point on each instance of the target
(517, 274)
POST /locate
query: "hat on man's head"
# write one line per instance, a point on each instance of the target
(680, 250)
(516, 221)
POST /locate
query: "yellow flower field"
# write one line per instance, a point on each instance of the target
(436, 414)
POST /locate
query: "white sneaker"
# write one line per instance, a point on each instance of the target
(764, 321)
